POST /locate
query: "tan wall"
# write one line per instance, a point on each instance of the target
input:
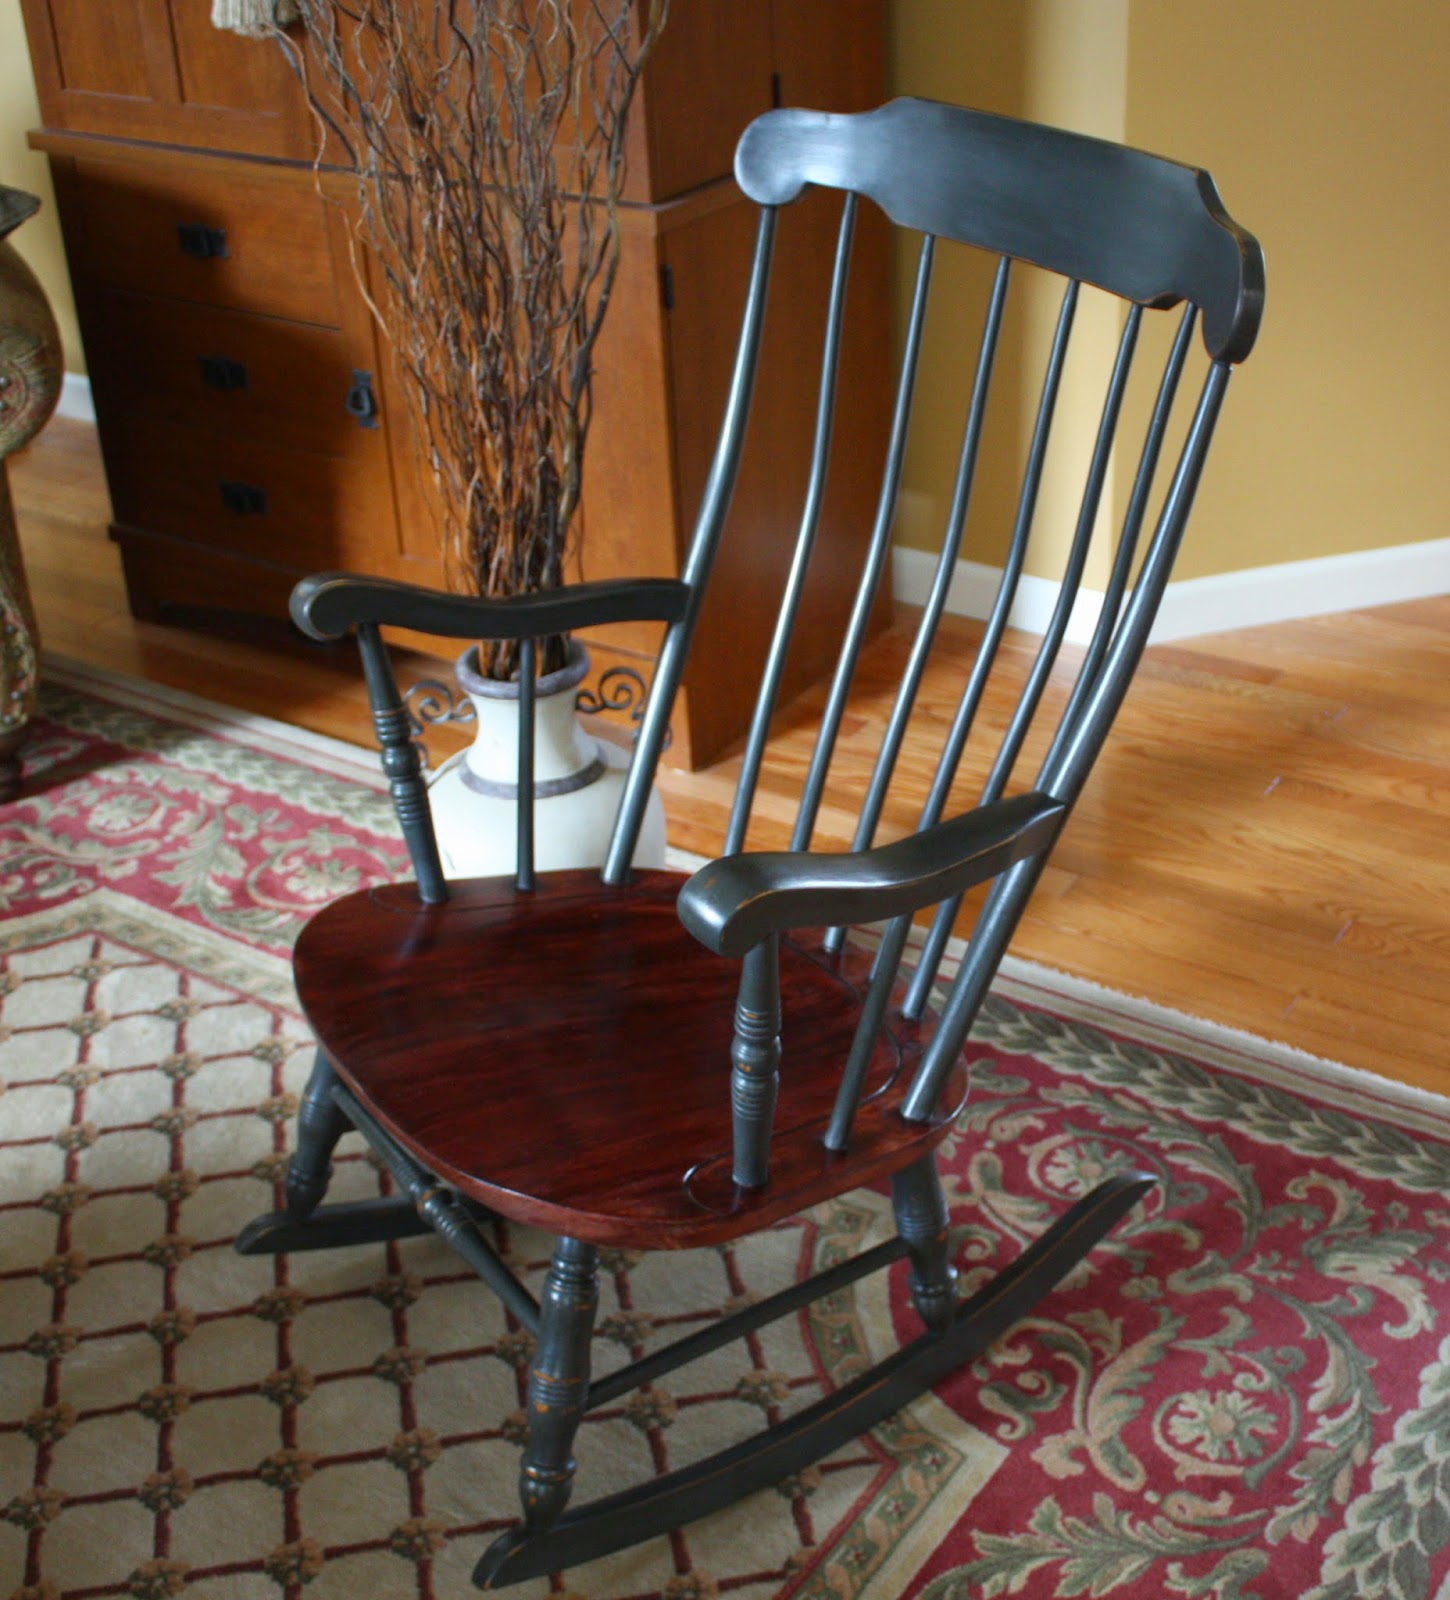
(1327, 127)
(1057, 61)
(38, 240)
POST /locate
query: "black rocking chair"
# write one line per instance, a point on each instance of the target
(461, 1026)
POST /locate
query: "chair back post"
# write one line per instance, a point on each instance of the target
(524, 879)
(402, 764)
(704, 542)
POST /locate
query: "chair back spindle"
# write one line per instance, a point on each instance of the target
(709, 524)
(956, 522)
(528, 694)
(765, 703)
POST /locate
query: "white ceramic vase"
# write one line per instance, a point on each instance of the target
(578, 780)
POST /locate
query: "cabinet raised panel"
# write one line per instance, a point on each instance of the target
(152, 69)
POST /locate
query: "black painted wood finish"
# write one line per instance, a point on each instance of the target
(732, 904)
(329, 605)
(627, 1059)
(623, 1519)
(1147, 229)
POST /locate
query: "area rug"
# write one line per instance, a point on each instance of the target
(1246, 1392)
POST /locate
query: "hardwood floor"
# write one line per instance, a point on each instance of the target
(1265, 843)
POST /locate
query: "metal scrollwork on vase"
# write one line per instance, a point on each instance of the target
(619, 690)
(429, 704)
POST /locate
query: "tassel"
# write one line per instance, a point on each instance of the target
(255, 19)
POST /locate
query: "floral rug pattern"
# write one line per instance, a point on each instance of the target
(1246, 1392)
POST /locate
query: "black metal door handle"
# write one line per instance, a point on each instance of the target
(221, 372)
(246, 499)
(199, 240)
(361, 403)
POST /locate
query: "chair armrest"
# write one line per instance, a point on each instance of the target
(732, 904)
(327, 604)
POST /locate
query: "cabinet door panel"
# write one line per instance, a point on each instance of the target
(158, 70)
(832, 53)
(709, 76)
(224, 71)
(96, 48)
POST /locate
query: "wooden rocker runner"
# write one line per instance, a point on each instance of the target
(474, 1032)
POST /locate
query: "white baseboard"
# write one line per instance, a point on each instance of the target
(974, 588)
(75, 398)
(1193, 606)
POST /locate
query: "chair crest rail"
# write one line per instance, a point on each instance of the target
(1148, 229)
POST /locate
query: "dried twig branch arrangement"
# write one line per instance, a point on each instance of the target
(488, 139)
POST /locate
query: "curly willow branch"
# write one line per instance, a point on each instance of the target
(488, 138)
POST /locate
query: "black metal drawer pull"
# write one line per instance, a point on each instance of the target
(221, 372)
(246, 499)
(361, 402)
(198, 240)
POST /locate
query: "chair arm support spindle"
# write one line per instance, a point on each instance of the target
(755, 1058)
(402, 764)
(732, 904)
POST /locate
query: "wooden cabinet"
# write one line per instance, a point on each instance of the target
(250, 426)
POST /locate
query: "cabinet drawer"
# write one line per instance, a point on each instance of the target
(295, 508)
(238, 240)
(261, 378)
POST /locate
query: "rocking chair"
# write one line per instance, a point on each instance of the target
(600, 1052)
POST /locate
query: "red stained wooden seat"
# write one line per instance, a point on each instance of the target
(577, 1075)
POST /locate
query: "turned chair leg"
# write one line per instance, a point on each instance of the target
(921, 1220)
(319, 1126)
(558, 1381)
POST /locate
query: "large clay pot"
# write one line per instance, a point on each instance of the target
(30, 377)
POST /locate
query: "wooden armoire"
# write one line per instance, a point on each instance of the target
(251, 428)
